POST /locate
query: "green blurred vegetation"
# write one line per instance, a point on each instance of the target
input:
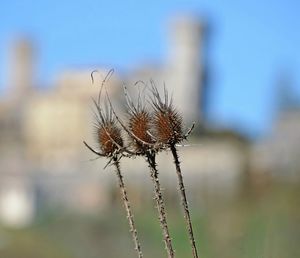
(264, 223)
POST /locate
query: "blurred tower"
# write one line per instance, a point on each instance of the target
(21, 70)
(185, 67)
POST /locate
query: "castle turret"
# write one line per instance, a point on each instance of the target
(185, 67)
(21, 70)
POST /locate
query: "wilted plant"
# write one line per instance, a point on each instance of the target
(149, 133)
(111, 145)
(168, 132)
(139, 127)
(142, 143)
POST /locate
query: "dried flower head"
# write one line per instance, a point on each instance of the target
(109, 138)
(167, 122)
(168, 131)
(139, 124)
(108, 134)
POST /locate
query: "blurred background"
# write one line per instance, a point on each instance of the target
(232, 67)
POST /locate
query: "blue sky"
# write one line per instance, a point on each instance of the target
(252, 42)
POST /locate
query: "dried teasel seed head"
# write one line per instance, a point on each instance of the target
(139, 124)
(167, 125)
(167, 122)
(109, 138)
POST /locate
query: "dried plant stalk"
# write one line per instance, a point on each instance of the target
(133, 230)
(184, 201)
(168, 131)
(140, 121)
(160, 204)
(110, 142)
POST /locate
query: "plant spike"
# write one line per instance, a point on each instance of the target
(168, 130)
(111, 145)
(139, 121)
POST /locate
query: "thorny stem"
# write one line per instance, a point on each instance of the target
(184, 201)
(128, 209)
(160, 203)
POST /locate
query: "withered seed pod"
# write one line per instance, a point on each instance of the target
(139, 125)
(167, 122)
(109, 137)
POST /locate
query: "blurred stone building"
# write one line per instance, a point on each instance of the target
(277, 155)
(42, 155)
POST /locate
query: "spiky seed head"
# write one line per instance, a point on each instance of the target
(139, 125)
(167, 125)
(109, 138)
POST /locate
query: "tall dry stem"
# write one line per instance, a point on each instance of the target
(111, 145)
(160, 204)
(184, 201)
(168, 131)
(139, 123)
(133, 230)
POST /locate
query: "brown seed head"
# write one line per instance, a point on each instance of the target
(167, 122)
(139, 125)
(109, 138)
(167, 125)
